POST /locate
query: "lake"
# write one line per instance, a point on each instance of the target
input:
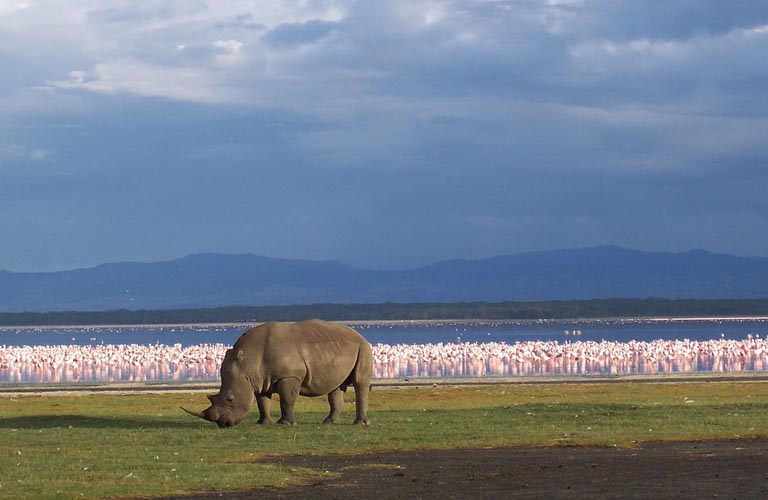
(400, 349)
(409, 332)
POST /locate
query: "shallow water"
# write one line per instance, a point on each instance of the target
(407, 332)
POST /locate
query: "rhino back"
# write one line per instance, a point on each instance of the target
(321, 354)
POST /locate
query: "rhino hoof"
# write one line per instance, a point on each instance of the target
(286, 422)
(328, 420)
(358, 421)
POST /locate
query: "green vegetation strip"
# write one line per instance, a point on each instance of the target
(553, 309)
(143, 445)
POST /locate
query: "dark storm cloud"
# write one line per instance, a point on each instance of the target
(381, 133)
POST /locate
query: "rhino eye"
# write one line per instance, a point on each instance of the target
(230, 399)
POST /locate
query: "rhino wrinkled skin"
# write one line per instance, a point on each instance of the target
(308, 358)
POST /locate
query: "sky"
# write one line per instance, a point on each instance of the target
(385, 134)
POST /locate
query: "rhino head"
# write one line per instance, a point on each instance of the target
(235, 397)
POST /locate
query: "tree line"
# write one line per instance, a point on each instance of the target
(556, 309)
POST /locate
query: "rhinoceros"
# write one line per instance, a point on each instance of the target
(308, 358)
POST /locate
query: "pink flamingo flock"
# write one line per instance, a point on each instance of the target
(139, 363)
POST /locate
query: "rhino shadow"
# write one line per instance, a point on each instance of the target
(87, 422)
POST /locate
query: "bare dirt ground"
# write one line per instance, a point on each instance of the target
(735, 469)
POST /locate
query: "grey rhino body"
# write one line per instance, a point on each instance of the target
(309, 358)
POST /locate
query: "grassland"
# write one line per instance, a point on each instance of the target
(142, 445)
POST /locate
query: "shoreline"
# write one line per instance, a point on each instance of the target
(118, 388)
(251, 324)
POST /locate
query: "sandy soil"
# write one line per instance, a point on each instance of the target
(735, 469)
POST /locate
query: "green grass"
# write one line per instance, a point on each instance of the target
(95, 446)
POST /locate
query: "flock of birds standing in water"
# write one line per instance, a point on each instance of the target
(140, 363)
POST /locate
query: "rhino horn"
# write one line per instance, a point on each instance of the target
(195, 413)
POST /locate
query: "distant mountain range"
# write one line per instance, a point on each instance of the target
(211, 280)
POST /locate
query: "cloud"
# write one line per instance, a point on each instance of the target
(137, 77)
(231, 46)
(143, 12)
(181, 50)
(681, 19)
(349, 61)
(20, 152)
(231, 52)
(402, 84)
(489, 126)
(293, 34)
(39, 154)
(577, 52)
(39, 100)
(11, 6)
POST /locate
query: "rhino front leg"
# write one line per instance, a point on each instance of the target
(263, 401)
(336, 400)
(288, 389)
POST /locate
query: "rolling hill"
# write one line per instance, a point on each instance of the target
(211, 280)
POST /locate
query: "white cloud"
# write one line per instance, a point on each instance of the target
(179, 39)
(597, 51)
(137, 77)
(758, 30)
(39, 154)
(24, 153)
(11, 6)
(231, 51)
(433, 13)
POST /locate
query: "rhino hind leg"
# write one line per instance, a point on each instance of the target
(361, 381)
(336, 401)
(288, 389)
(263, 401)
(361, 403)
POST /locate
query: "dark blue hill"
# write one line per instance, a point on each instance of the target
(210, 280)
